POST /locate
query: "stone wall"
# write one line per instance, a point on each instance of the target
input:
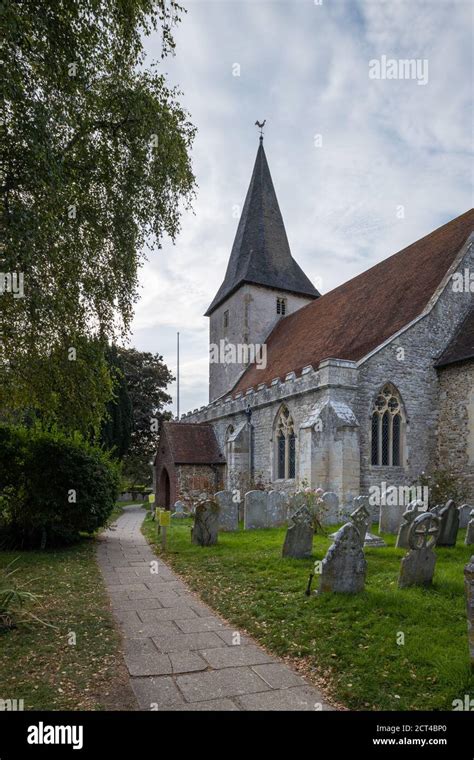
(455, 438)
(198, 478)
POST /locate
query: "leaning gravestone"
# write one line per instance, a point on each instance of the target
(228, 510)
(464, 515)
(469, 588)
(344, 567)
(417, 567)
(390, 517)
(255, 510)
(299, 536)
(361, 516)
(331, 503)
(413, 510)
(470, 530)
(206, 524)
(449, 517)
(277, 509)
(296, 501)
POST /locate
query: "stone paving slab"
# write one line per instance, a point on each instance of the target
(180, 655)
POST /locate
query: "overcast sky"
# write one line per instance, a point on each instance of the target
(384, 144)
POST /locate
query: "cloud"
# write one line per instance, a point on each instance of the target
(385, 144)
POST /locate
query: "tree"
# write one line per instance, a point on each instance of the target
(95, 168)
(147, 378)
(118, 421)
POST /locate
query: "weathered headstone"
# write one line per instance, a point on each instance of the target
(417, 567)
(373, 541)
(229, 510)
(470, 530)
(361, 516)
(206, 523)
(344, 567)
(277, 509)
(390, 517)
(331, 514)
(449, 517)
(296, 501)
(469, 588)
(255, 510)
(179, 510)
(299, 536)
(464, 515)
(413, 510)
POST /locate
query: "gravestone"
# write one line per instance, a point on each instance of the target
(449, 517)
(206, 523)
(255, 510)
(299, 536)
(228, 510)
(344, 567)
(390, 517)
(179, 510)
(469, 588)
(373, 541)
(331, 513)
(296, 501)
(277, 509)
(464, 515)
(413, 510)
(361, 516)
(470, 530)
(417, 567)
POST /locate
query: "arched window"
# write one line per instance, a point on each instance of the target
(387, 428)
(285, 446)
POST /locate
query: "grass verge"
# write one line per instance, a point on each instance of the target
(40, 663)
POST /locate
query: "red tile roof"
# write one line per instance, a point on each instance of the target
(192, 443)
(359, 315)
(461, 347)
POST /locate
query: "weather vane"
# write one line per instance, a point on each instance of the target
(260, 125)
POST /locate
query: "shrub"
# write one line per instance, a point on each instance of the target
(52, 487)
(442, 486)
(11, 597)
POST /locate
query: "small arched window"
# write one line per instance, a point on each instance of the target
(285, 446)
(387, 428)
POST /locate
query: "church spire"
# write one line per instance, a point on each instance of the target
(261, 253)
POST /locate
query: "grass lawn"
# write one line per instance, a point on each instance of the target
(346, 644)
(37, 662)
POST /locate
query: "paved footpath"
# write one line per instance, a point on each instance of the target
(180, 655)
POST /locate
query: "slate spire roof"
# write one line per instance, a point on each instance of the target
(261, 254)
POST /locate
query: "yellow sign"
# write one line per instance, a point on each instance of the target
(151, 498)
(157, 512)
(165, 518)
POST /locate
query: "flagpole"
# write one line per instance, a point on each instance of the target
(177, 375)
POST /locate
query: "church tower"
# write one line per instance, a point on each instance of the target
(262, 284)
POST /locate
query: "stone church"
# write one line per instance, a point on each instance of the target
(368, 385)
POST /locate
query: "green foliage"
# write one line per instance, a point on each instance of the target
(147, 378)
(54, 487)
(117, 424)
(95, 159)
(442, 486)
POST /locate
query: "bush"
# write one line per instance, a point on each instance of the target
(442, 486)
(52, 487)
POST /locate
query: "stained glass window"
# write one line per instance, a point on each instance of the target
(375, 438)
(292, 456)
(387, 428)
(396, 430)
(281, 455)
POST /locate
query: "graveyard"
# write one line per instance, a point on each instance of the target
(387, 645)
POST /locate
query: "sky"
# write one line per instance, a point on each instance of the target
(362, 166)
